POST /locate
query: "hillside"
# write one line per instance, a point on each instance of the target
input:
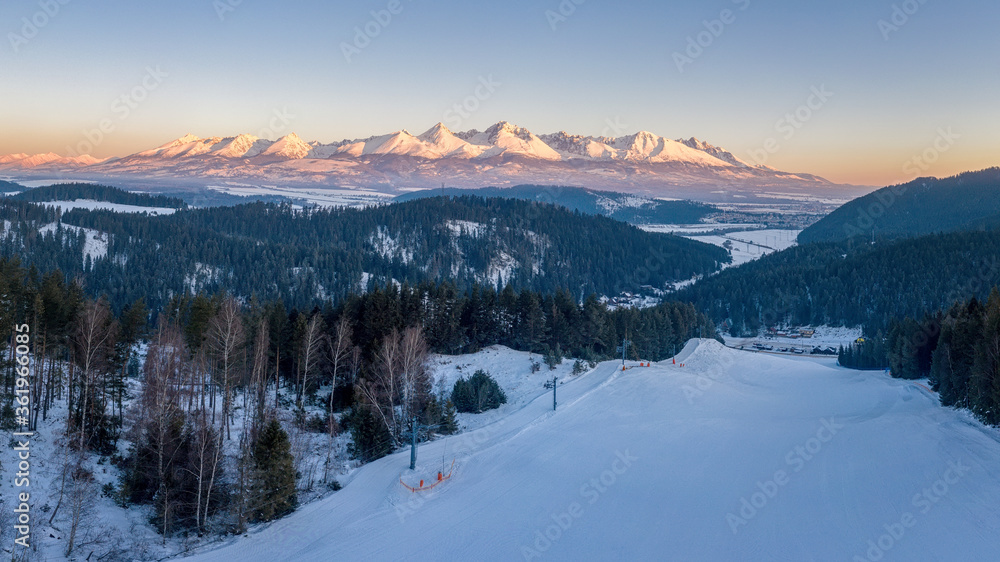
(924, 206)
(95, 192)
(9, 186)
(276, 252)
(619, 206)
(852, 284)
(743, 452)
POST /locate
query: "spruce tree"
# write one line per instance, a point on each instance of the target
(274, 474)
(449, 423)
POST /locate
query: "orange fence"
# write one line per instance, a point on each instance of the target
(440, 478)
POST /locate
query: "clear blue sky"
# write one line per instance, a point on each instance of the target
(606, 63)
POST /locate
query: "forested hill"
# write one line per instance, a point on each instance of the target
(94, 192)
(852, 284)
(967, 201)
(9, 186)
(619, 206)
(275, 252)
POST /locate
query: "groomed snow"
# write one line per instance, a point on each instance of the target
(735, 456)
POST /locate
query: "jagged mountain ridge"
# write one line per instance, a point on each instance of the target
(502, 155)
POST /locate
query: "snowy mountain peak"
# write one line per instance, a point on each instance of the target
(505, 137)
(436, 131)
(8, 158)
(188, 138)
(240, 146)
(505, 127)
(290, 146)
(715, 151)
(505, 154)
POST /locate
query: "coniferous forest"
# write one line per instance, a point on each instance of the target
(194, 351)
(958, 349)
(303, 255)
(185, 385)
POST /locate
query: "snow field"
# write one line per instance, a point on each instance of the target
(90, 204)
(736, 456)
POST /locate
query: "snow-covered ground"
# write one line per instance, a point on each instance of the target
(512, 371)
(686, 229)
(97, 241)
(747, 246)
(824, 336)
(116, 207)
(734, 456)
(324, 197)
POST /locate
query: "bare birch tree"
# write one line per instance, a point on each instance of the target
(313, 341)
(225, 339)
(94, 338)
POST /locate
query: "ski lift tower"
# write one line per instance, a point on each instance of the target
(623, 348)
(414, 430)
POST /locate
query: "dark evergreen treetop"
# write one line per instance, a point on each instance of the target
(968, 201)
(619, 206)
(852, 283)
(74, 191)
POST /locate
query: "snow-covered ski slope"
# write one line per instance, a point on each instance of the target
(735, 456)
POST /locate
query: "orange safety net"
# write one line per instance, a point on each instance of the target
(440, 478)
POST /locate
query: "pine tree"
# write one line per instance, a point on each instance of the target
(449, 422)
(370, 439)
(273, 487)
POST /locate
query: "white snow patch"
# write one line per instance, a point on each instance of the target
(89, 204)
(750, 245)
(96, 245)
(466, 228)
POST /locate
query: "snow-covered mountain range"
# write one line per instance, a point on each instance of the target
(502, 155)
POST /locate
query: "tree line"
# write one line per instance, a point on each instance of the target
(851, 283)
(957, 349)
(96, 192)
(278, 252)
(204, 391)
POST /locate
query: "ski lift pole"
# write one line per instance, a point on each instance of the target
(554, 385)
(413, 444)
(624, 348)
